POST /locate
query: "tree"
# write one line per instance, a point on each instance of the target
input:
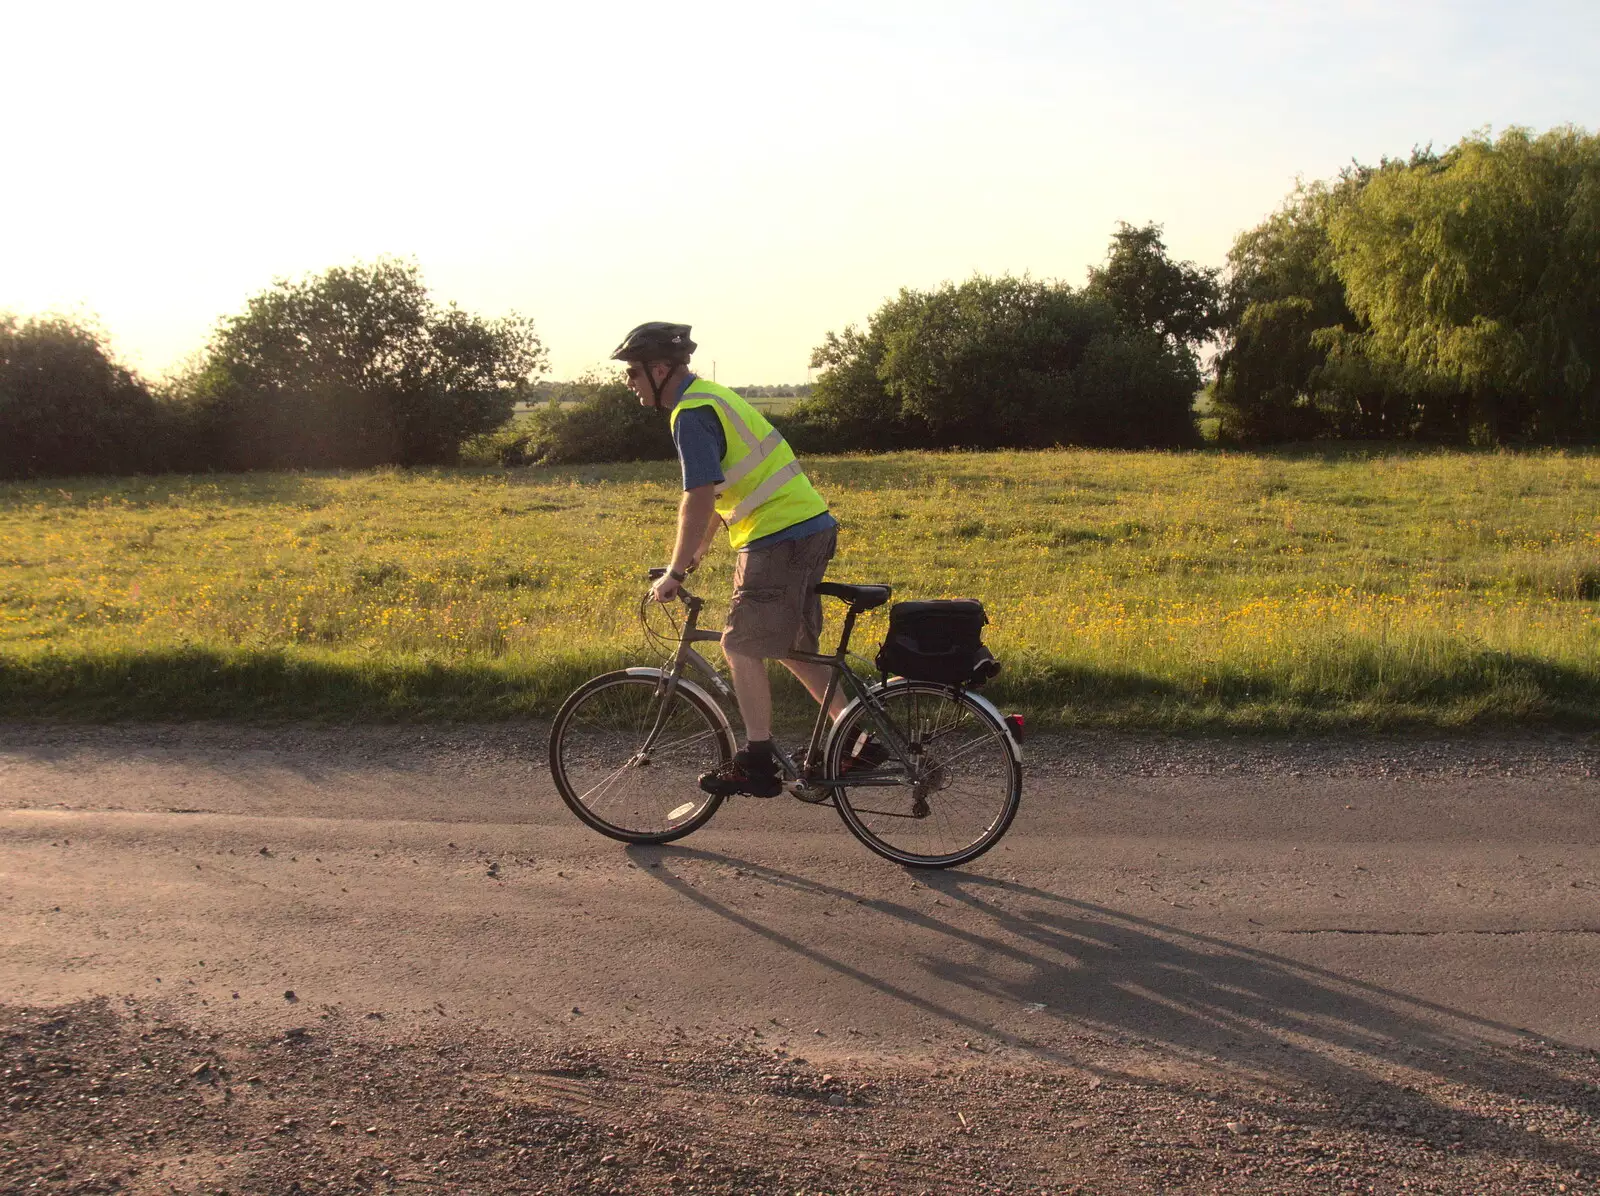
(1293, 363)
(996, 362)
(1152, 293)
(985, 363)
(1131, 390)
(1476, 273)
(358, 366)
(66, 406)
(1280, 293)
(597, 419)
(1446, 295)
(849, 404)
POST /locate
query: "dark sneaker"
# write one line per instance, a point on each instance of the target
(868, 754)
(745, 775)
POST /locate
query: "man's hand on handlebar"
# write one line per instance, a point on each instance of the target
(666, 586)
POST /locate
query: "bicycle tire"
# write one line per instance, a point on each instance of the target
(973, 793)
(595, 760)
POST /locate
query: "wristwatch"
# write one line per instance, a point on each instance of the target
(680, 578)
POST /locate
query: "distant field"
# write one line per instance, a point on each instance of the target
(1186, 590)
(773, 406)
(778, 405)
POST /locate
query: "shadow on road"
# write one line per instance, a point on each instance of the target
(1393, 1061)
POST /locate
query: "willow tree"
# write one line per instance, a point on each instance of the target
(1479, 274)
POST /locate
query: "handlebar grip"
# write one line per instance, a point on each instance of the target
(682, 595)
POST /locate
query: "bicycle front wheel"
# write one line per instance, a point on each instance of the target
(629, 764)
(971, 775)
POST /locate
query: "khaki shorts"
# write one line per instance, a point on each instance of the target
(774, 611)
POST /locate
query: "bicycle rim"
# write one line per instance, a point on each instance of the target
(973, 786)
(607, 777)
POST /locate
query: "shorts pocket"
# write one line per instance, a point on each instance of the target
(761, 594)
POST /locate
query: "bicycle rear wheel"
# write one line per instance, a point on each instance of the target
(622, 781)
(972, 778)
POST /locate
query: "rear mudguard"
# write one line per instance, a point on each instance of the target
(988, 706)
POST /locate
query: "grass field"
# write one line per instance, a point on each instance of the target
(1179, 591)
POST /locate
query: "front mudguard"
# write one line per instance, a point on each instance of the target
(698, 691)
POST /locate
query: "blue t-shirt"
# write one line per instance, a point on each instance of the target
(701, 444)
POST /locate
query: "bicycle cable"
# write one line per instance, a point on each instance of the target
(663, 643)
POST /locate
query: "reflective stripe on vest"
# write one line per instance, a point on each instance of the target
(762, 449)
(763, 489)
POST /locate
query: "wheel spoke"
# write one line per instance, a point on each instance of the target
(603, 772)
(677, 744)
(587, 795)
(954, 756)
(970, 787)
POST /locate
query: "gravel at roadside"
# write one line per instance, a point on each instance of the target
(106, 1097)
(465, 747)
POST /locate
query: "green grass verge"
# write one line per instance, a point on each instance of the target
(1341, 588)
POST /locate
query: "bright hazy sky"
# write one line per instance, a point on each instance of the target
(765, 172)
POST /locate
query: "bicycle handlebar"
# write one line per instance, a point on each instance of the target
(683, 594)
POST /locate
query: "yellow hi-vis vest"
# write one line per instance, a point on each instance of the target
(763, 489)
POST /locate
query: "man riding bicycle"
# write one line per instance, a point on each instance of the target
(738, 471)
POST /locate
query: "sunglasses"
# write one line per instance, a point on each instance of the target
(635, 371)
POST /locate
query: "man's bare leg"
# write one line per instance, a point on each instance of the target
(815, 678)
(753, 689)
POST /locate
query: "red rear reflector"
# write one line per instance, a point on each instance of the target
(1014, 721)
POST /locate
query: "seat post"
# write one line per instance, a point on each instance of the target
(849, 625)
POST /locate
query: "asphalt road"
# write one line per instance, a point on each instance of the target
(1293, 911)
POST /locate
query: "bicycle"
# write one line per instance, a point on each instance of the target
(627, 746)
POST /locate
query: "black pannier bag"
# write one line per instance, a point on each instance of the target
(939, 640)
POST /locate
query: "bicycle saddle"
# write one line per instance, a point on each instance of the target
(859, 597)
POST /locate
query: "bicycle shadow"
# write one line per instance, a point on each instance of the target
(1253, 1018)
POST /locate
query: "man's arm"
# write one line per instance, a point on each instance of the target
(700, 441)
(713, 526)
(695, 512)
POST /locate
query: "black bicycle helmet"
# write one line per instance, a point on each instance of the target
(656, 341)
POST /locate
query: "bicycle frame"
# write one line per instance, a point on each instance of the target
(840, 675)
